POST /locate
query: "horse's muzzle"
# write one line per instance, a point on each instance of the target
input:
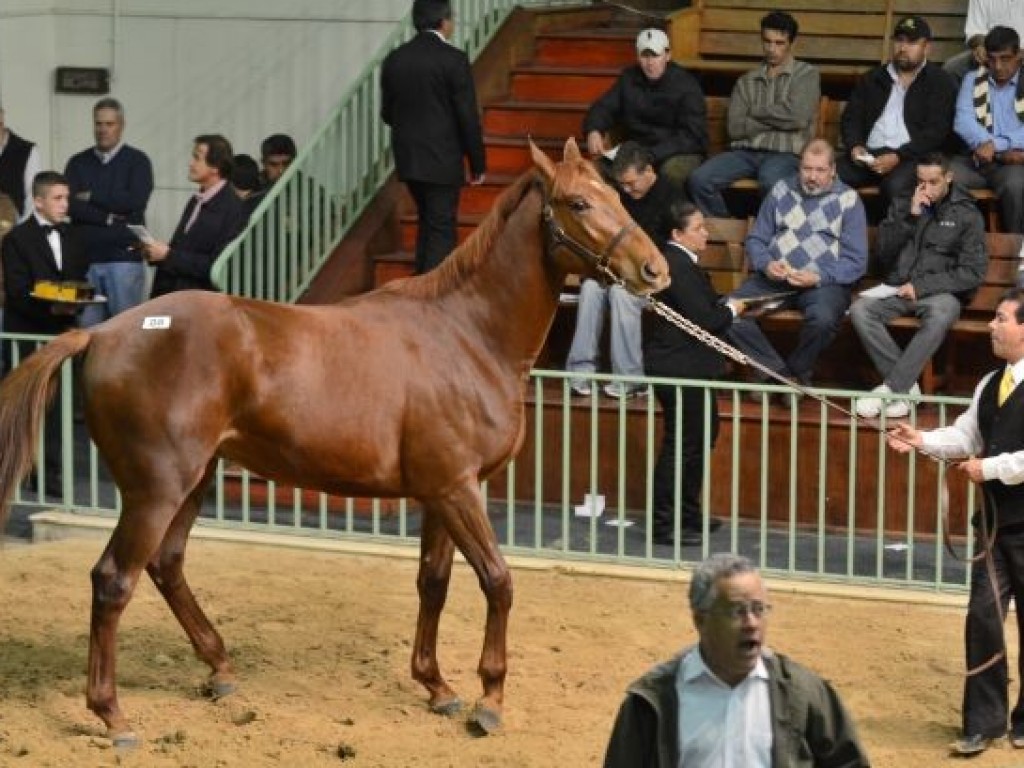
(657, 279)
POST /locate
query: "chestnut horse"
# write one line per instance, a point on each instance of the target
(414, 390)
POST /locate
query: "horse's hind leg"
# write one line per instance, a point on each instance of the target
(436, 551)
(166, 569)
(464, 517)
(137, 536)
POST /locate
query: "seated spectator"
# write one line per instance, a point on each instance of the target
(982, 17)
(245, 180)
(211, 220)
(671, 352)
(42, 247)
(809, 241)
(647, 197)
(990, 120)
(729, 700)
(897, 113)
(277, 152)
(932, 246)
(771, 116)
(658, 104)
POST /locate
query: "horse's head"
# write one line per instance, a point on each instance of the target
(590, 232)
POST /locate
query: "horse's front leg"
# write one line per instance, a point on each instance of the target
(436, 551)
(465, 519)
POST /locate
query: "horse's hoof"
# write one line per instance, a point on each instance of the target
(125, 740)
(218, 689)
(448, 708)
(485, 721)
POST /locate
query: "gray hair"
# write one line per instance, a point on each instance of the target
(109, 102)
(722, 565)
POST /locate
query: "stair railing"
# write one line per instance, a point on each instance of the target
(313, 205)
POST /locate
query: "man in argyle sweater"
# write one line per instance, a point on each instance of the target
(809, 242)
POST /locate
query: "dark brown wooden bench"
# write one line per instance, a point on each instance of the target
(722, 37)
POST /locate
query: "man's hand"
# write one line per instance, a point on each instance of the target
(920, 200)
(738, 306)
(777, 270)
(803, 278)
(985, 153)
(595, 143)
(906, 291)
(155, 251)
(885, 163)
(972, 467)
(1012, 157)
(903, 438)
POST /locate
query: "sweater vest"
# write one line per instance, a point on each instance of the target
(1002, 430)
(12, 169)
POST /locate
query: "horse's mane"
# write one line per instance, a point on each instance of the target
(466, 258)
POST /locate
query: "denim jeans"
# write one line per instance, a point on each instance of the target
(707, 182)
(121, 282)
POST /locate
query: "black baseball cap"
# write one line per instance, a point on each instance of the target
(912, 28)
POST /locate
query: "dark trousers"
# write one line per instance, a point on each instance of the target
(986, 698)
(899, 182)
(437, 208)
(690, 406)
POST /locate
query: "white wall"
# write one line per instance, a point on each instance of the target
(184, 67)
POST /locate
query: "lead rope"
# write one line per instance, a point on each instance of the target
(727, 350)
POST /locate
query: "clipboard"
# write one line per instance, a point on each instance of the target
(766, 298)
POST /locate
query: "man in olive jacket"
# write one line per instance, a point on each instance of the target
(739, 703)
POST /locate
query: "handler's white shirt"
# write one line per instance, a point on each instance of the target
(719, 726)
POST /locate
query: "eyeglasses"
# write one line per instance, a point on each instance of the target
(737, 611)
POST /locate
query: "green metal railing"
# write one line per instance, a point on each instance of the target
(310, 209)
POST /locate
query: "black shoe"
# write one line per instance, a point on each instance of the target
(687, 538)
(969, 746)
(714, 523)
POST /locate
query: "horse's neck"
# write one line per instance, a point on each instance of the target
(521, 285)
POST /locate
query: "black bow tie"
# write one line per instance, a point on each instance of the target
(48, 228)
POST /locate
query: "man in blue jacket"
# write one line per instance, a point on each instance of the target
(110, 188)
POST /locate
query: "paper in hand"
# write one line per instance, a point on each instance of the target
(140, 232)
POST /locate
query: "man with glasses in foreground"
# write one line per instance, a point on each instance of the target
(730, 700)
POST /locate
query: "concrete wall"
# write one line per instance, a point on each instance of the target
(243, 68)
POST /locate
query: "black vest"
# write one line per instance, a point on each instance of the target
(12, 169)
(1002, 430)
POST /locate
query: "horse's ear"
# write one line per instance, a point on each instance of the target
(542, 161)
(571, 153)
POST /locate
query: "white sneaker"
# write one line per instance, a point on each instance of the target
(871, 407)
(617, 389)
(580, 387)
(898, 409)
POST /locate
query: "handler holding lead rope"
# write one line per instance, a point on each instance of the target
(989, 437)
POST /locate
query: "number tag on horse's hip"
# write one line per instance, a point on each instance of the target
(156, 322)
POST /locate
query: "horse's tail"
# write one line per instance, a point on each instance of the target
(24, 396)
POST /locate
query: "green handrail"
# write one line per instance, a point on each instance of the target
(314, 204)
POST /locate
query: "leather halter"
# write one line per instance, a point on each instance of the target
(557, 236)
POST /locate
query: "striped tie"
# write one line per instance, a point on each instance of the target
(1006, 385)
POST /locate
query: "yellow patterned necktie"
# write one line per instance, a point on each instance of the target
(1006, 385)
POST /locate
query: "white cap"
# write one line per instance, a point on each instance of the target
(652, 40)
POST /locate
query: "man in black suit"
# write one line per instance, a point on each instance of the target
(671, 352)
(428, 99)
(42, 247)
(212, 219)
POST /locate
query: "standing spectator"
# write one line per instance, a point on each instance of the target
(211, 220)
(658, 104)
(730, 700)
(933, 246)
(671, 352)
(277, 152)
(988, 438)
(429, 100)
(990, 120)
(897, 113)
(245, 180)
(110, 187)
(809, 240)
(42, 248)
(771, 117)
(19, 164)
(647, 197)
(982, 16)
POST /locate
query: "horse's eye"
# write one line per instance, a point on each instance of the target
(579, 205)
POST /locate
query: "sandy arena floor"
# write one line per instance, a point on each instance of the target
(321, 642)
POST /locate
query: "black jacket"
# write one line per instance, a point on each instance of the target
(192, 253)
(429, 100)
(671, 351)
(927, 112)
(653, 211)
(942, 251)
(28, 258)
(667, 116)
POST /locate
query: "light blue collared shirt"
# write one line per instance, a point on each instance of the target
(1007, 129)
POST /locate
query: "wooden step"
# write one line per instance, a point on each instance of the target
(587, 48)
(534, 118)
(392, 266)
(480, 199)
(511, 155)
(466, 225)
(562, 84)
